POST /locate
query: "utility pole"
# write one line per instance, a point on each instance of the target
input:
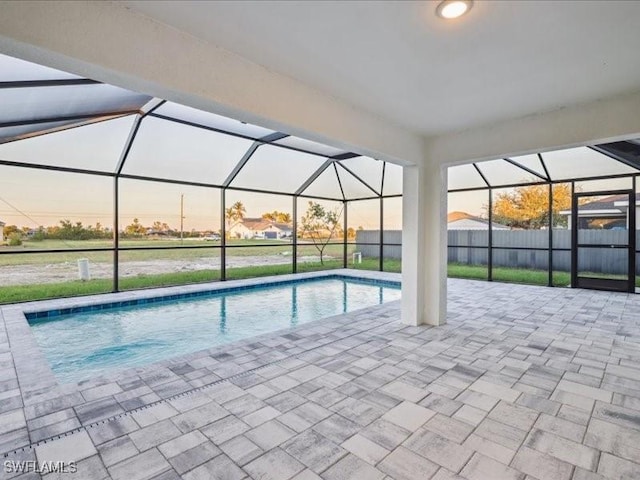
(182, 218)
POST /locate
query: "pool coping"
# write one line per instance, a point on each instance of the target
(36, 314)
(38, 384)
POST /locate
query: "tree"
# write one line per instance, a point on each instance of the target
(319, 224)
(271, 216)
(135, 229)
(15, 239)
(73, 231)
(160, 227)
(284, 218)
(276, 216)
(235, 212)
(9, 229)
(528, 206)
(39, 234)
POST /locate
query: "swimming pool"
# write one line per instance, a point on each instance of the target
(103, 338)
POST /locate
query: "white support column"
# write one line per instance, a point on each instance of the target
(424, 245)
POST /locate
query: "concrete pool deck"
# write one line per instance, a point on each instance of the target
(522, 382)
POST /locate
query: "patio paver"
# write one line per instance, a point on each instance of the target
(522, 382)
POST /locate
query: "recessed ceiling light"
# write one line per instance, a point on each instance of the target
(449, 9)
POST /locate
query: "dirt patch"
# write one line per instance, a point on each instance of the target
(68, 271)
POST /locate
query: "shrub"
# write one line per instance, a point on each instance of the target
(15, 240)
(39, 235)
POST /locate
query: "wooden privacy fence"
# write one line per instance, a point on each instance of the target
(527, 249)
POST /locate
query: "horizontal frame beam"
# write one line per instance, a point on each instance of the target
(550, 182)
(64, 82)
(69, 126)
(38, 121)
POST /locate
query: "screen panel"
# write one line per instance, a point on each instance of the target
(166, 149)
(182, 112)
(363, 221)
(261, 216)
(320, 243)
(499, 172)
(363, 234)
(464, 176)
(582, 162)
(368, 169)
(166, 267)
(96, 146)
(50, 275)
(259, 231)
(277, 169)
(33, 104)
(521, 216)
(20, 132)
(392, 179)
(150, 214)
(326, 185)
(532, 162)
(392, 220)
(352, 187)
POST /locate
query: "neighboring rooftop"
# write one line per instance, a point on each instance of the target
(471, 222)
(263, 224)
(455, 216)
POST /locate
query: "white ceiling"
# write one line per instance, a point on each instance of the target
(504, 60)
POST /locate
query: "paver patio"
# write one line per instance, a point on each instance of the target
(522, 383)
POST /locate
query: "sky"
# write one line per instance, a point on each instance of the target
(32, 198)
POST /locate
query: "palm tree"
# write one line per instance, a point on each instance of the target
(276, 216)
(234, 213)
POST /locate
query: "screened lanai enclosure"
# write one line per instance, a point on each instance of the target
(559, 218)
(103, 189)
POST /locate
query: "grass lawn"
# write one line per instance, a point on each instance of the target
(511, 275)
(517, 275)
(21, 293)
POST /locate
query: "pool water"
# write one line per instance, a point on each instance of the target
(86, 344)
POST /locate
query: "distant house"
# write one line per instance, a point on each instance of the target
(259, 228)
(2, 224)
(466, 221)
(607, 213)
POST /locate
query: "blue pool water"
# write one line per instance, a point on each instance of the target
(85, 344)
